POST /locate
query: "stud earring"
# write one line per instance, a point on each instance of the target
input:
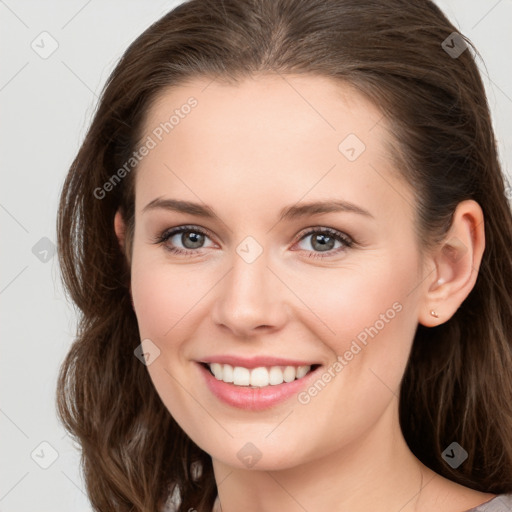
(433, 313)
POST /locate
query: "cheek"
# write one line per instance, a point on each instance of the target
(373, 316)
(163, 295)
(348, 300)
(369, 317)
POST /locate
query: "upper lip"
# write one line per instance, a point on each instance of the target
(255, 362)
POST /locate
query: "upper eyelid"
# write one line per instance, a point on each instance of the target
(168, 233)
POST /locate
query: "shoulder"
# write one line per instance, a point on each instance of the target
(449, 496)
(500, 503)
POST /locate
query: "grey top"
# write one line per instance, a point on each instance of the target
(501, 503)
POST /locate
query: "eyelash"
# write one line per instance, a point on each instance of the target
(337, 235)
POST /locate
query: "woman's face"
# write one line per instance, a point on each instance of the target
(263, 274)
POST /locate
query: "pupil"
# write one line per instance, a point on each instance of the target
(195, 238)
(326, 242)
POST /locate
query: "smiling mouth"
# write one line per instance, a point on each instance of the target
(259, 377)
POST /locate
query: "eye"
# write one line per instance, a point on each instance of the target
(191, 238)
(324, 240)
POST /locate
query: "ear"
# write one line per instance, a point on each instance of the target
(120, 229)
(453, 266)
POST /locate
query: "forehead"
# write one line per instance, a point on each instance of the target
(311, 104)
(273, 135)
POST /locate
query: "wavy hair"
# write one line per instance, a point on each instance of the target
(458, 381)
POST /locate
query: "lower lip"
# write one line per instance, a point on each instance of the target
(254, 399)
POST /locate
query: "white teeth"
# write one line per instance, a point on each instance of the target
(275, 376)
(241, 376)
(216, 369)
(289, 374)
(227, 373)
(302, 371)
(257, 377)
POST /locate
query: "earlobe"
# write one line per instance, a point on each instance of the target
(120, 229)
(455, 265)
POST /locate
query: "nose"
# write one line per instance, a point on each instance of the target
(250, 299)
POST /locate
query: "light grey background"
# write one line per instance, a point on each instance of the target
(46, 106)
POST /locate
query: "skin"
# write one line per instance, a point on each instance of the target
(247, 151)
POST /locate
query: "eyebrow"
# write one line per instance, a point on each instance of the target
(287, 213)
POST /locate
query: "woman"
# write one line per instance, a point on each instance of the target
(287, 235)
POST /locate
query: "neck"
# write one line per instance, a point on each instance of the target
(377, 468)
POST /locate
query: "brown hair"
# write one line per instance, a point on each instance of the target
(458, 383)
